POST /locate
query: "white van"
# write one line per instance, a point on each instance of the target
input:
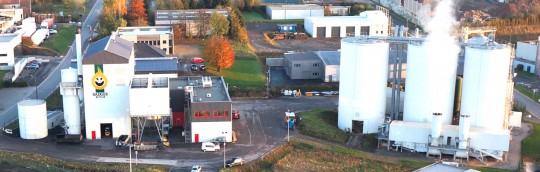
(209, 146)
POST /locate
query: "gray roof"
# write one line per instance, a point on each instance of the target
(145, 50)
(109, 51)
(156, 66)
(329, 57)
(218, 91)
(302, 56)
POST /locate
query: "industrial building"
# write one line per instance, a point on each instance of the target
(8, 42)
(161, 37)
(527, 56)
(25, 5)
(368, 23)
(196, 21)
(339, 10)
(439, 116)
(281, 12)
(16, 13)
(313, 65)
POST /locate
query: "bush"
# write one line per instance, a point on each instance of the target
(8, 84)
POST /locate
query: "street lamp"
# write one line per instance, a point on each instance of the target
(36, 85)
(534, 92)
(224, 148)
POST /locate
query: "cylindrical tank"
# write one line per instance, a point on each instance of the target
(70, 99)
(464, 129)
(485, 78)
(363, 76)
(436, 128)
(429, 86)
(32, 119)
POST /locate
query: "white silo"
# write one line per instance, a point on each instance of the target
(464, 130)
(362, 97)
(429, 86)
(485, 84)
(32, 119)
(68, 90)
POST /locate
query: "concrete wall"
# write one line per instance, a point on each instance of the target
(526, 51)
(208, 131)
(149, 101)
(306, 69)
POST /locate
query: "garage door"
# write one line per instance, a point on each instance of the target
(349, 30)
(321, 32)
(336, 32)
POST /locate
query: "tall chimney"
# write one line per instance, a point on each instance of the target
(464, 128)
(78, 44)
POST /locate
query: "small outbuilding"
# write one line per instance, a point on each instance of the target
(280, 12)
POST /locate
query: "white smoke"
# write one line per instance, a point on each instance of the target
(442, 50)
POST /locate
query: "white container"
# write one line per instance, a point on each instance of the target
(464, 130)
(70, 99)
(485, 84)
(363, 77)
(429, 86)
(32, 119)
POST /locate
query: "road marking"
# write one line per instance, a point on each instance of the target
(141, 161)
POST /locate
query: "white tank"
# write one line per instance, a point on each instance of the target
(70, 98)
(78, 50)
(32, 119)
(428, 88)
(485, 79)
(464, 129)
(436, 128)
(363, 77)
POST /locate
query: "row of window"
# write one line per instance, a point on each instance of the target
(314, 64)
(153, 42)
(215, 114)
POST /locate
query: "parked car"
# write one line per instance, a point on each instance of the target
(197, 60)
(52, 31)
(234, 162)
(209, 146)
(35, 62)
(235, 114)
(202, 67)
(196, 168)
(32, 66)
(194, 67)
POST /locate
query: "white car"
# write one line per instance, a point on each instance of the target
(52, 31)
(196, 168)
(210, 146)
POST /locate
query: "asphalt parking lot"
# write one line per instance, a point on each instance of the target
(259, 130)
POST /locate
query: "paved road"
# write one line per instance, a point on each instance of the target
(51, 82)
(532, 107)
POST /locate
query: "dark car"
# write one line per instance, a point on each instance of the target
(234, 162)
(194, 67)
(202, 67)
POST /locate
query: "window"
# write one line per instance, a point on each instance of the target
(315, 73)
(316, 64)
(205, 114)
(197, 114)
(164, 41)
(225, 113)
(216, 113)
(376, 32)
(296, 65)
(3, 54)
(220, 115)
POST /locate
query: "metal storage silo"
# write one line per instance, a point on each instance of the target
(363, 72)
(70, 98)
(485, 84)
(32, 119)
(429, 86)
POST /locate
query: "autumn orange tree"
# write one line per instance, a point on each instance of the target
(218, 52)
(137, 13)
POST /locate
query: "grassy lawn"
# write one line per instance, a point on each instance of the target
(530, 148)
(525, 74)
(322, 124)
(43, 163)
(59, 42)
(527, 92)
(54, 101)
(255, 17)
(246, 71)
(2, 73)
(307, 155)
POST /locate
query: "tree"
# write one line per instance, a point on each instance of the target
(219, 53)
(137, 13)
(179, 32)
(238, 30)
(219, 24)
(327, 11)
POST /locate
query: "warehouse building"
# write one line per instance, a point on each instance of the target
(8, 42)
(161, 37)
(372, 23)
(196, 21)
(527, 57)
(312, 65)
(280, 12)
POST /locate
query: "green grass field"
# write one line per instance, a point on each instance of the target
(528, 92)
(255, 17)
(2, 73)
(322, 124)
(246, 71)
(308, 155)
(59, 42)
(530, 148)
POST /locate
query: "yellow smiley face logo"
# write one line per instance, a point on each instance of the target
(99, 80)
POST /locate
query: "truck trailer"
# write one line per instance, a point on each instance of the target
(39, 36)
(47, 23)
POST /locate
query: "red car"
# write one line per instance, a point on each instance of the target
(236, 114)
(197, 60)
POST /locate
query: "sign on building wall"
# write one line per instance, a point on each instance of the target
(99, 81)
